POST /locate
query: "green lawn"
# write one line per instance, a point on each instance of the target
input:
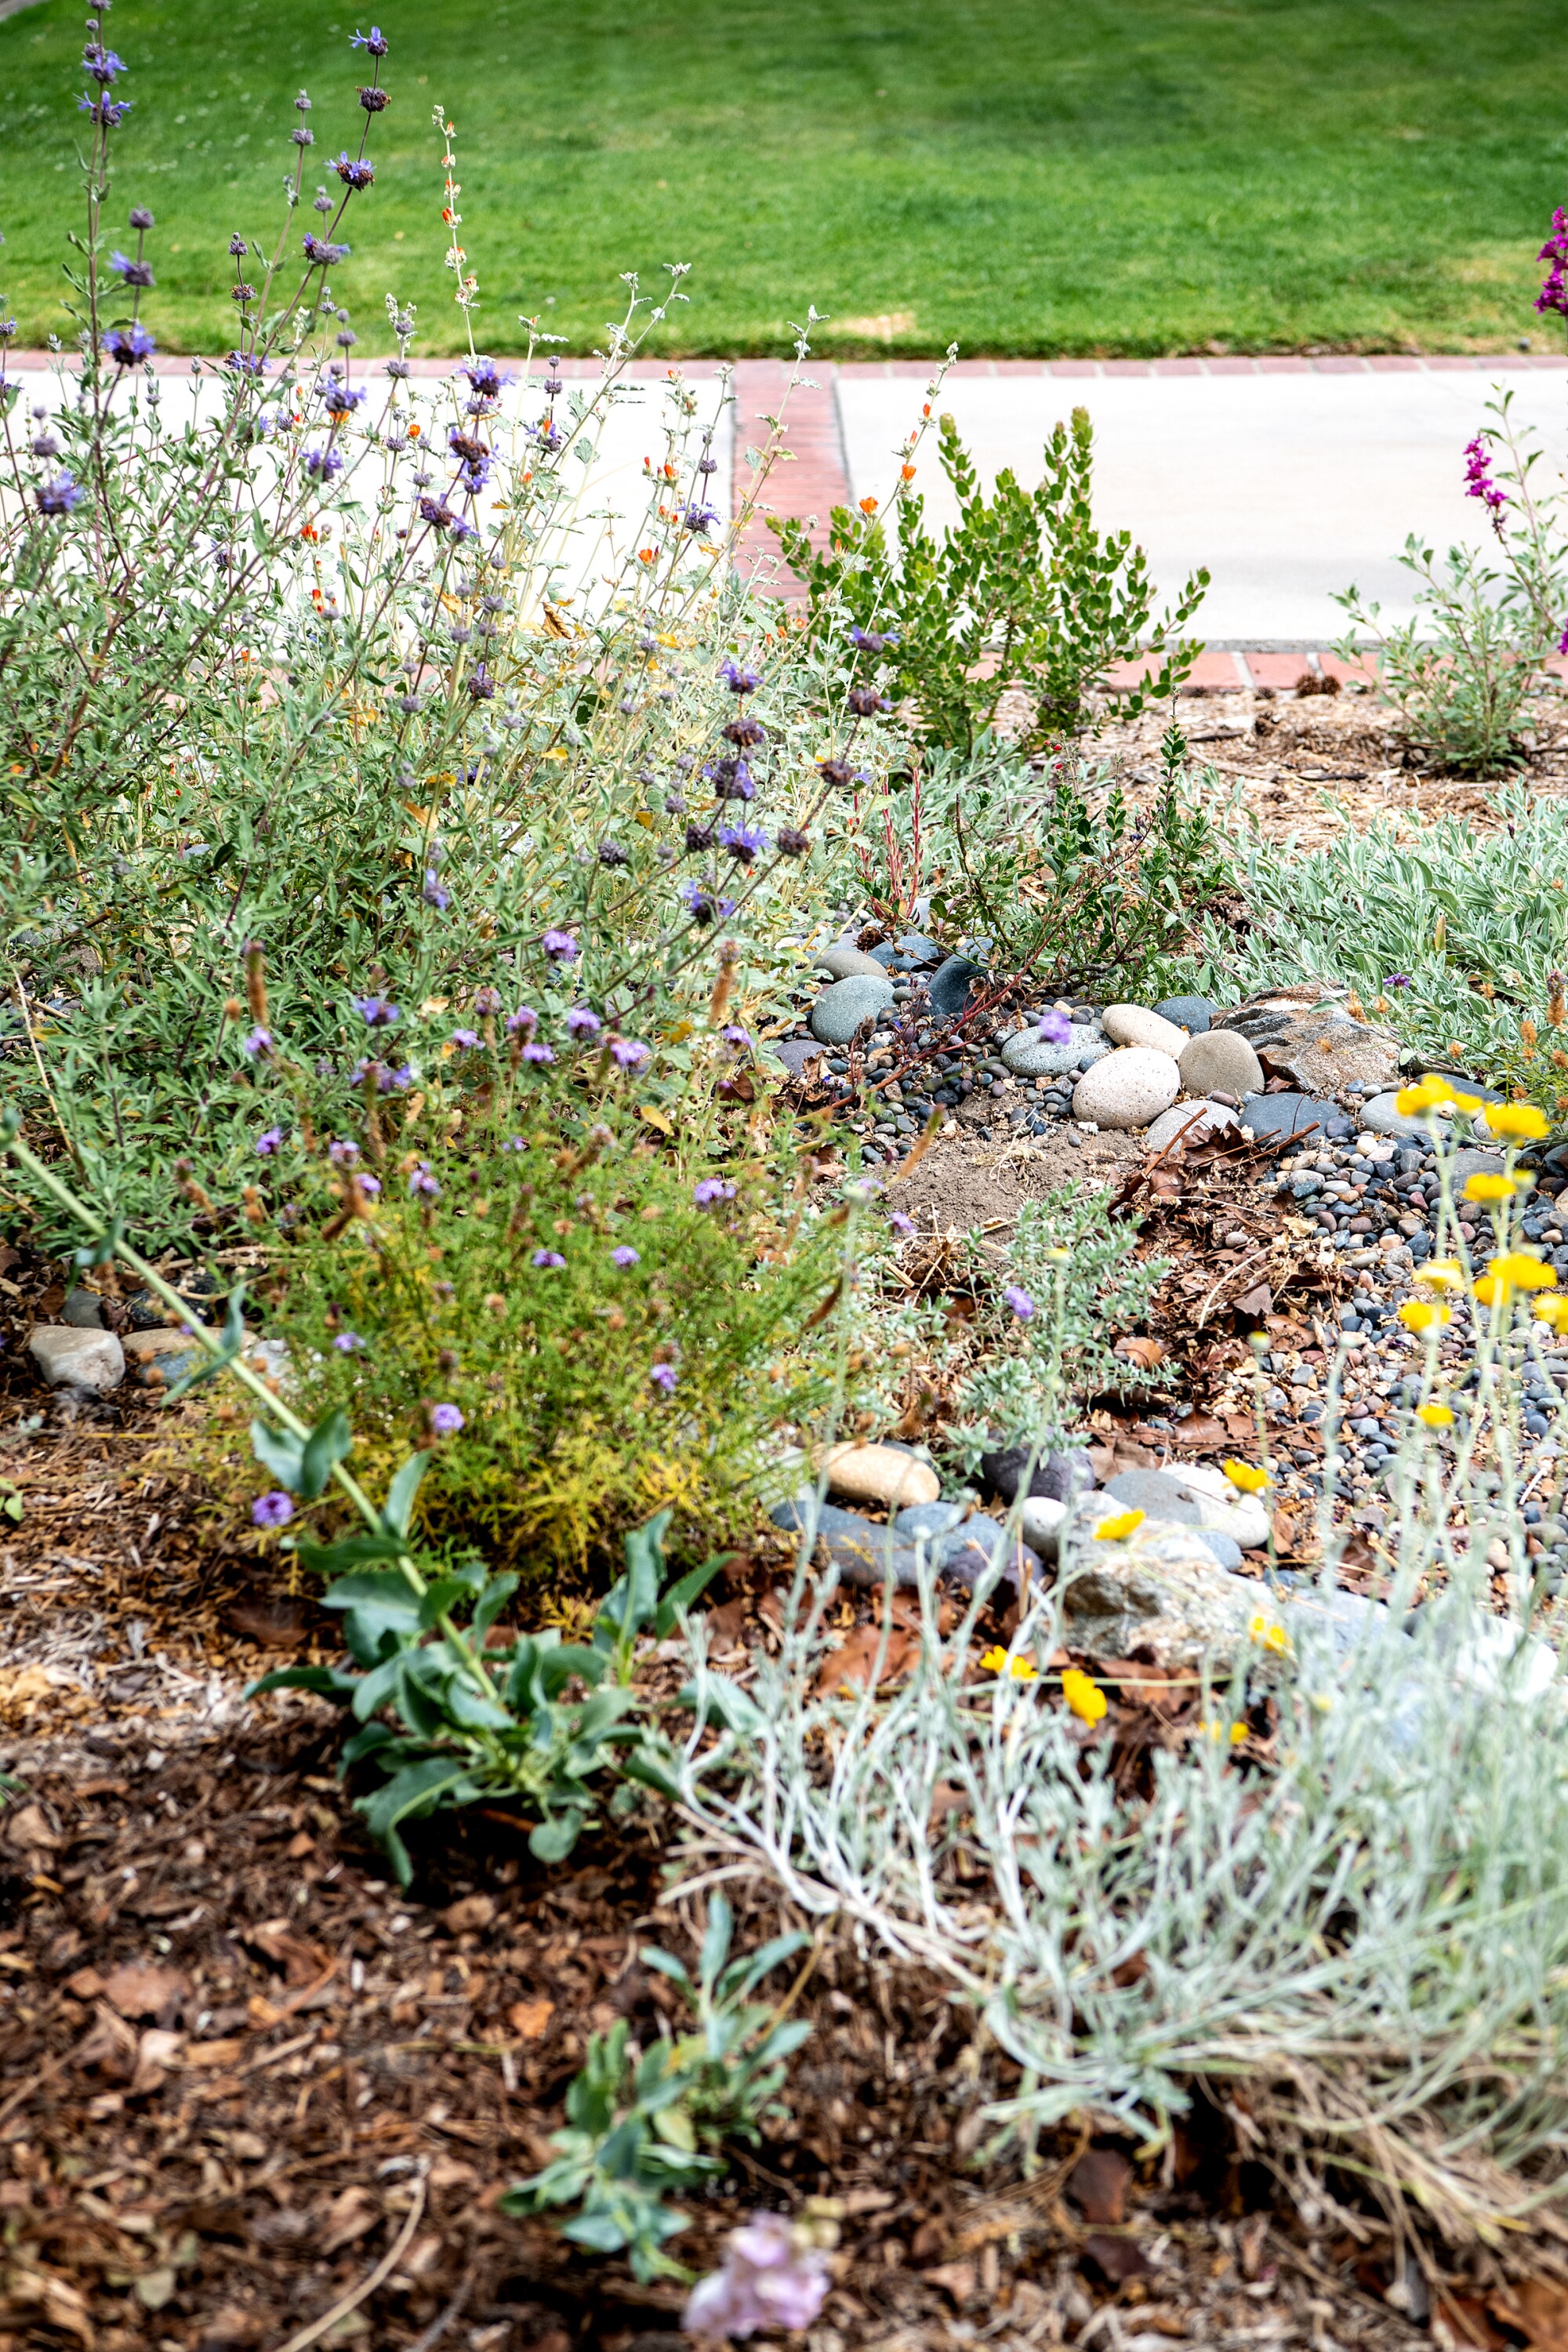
(1104, 176)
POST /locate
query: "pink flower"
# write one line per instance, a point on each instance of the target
(773, 2277)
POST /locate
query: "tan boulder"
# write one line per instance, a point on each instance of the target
(880, 1473)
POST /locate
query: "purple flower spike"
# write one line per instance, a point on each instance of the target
(369, 1185)
(535, 1052)
(348, 1343)
(1022, 1304)
(739, 679)
(1399, 980)
(258, 1042)
(60, 497)
(525, 1019)
(560, 947)
(581, 1023)
(421, 1185)
(445, 1419)
(903, 1226)
(435, 895)
(774, 2277)
(465, 1038)
(268, 1141)
(663, 1377)
(1056, 1028)
(274, 1510)
(626, 1255)
(377, 1013)
(629, 1053)
(547, 1260)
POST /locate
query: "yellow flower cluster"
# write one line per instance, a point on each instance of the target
(1269, 1635)
(995, 1662)
(1121, 1524)
(1243, 1474)
(1085, 1697)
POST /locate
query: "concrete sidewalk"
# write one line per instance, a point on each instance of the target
(1289, 478)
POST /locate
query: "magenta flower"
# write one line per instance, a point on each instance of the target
(545, 1259)
(735, 1035)
(663, 1377)
(274, 1510)
(445, 1419)
(560, 947)
(1479, 483)
(1019, 1300)
(628, 1052)
(1055, 1029)
(774, 2277)
(626, 1255)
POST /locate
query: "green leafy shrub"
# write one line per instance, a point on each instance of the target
(1021, 593)
(637, 2129)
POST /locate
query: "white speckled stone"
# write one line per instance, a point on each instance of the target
(1127, 1088)
(1134, 1024)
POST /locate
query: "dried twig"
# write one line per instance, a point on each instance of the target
(367, 2285)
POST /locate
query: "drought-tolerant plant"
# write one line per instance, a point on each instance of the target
(1454, 937)
(1021, 595)
(641, 2127)
(1345, 1892)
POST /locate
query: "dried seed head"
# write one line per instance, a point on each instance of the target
(256, 981)
(1557, 1001)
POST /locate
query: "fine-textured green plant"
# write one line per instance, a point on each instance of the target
(1460, 673)
(638, 2128)
(1022, 593)
(1451, 936)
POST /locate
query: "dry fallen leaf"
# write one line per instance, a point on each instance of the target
(155, 2054)
(469, 1913)
(1098, 2184)
(1117, 2259)
(530, 2018)
(1147, 1354)
(141, 1988)
(1537, 2307)
(350, 2215)
(956, 2279)
(852, 1666)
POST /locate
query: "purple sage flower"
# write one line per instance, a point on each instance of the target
(581, 1023)
(466, 1038)
(322, 464)
(627, 1053)
(349, 1343)
(524, 1020)
(445, 1419)
(1019, 1300)
(1056, 1028)
(369, 1185)
(545, 1260)
(710, 1189)
(626, 1255)
(268, 1141)
(1399, 980)
(739, 679)
(560, 947)
(60, 497)
(774, 2277)
(342, 1154)
(274, 1510)
(134, 273)
(534, 1052)
(743, 841)
(435, 894)
(377, 1012)
(258, 1042)
(663, 1377)
(903, 1226)
(129, 346)
(421, 1185)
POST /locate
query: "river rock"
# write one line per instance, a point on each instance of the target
(1058, 1476)
(1381, 1117)
(1041, 1523)
(1029, 1055)
(1285, 1115)
(1127, 1088)
(950, 985)
(1157, 1495)
(792, 1053)
(1134, 1024)
(845, 961)
(70, 1357)
(1192, 1120)
(83, 1310)
(1159, 1589)
(1193, 1014)
(880, 1473)
(919, 949)
(1316, 1046)
(931, 1519)
(1474, 1163)
(840, 1010)
(1222, 1507)
(1220, 1062)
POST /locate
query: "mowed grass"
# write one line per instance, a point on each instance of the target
(1050, 176)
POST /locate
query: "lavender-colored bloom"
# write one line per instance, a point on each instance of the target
(1399, 980)
(376, 1012)
(339, 400)
(873, 641)
(486, 378)
(301, 137)
(466, 1038)
(903, 1226)
(481, 685)
(129, 346)
(774, 2277)
(611, 854)
(1019, 1300)
(369, 1185)
(735, 1035)
(342, 1154)
(445, 1419)
(109, 113)
(1056, 1028)
(743, 841)
(139, 217)
(134, 273)
(710, 1189)
(840, 772)
(523, 1020)
(700, 520)
(422, 1184)
(101, 65)
(318, 251)
(399, 371)
(268, 1141)
(487, 1002)
(258, 1042)
(790, 842)
(865, 701)
(515, 1143)
(731, 780)
(744, 732)
(663, 1377)
(626, 1255)
(322, 464)
(739, 679)
(236, 246)
(434, 894)
(581, 1023)
(274, 1510)
(546, 1260)
(354, 171)
(373, 42)
(45, 446)
(627, 1053)
(349, 1343)
(535, 1052)
(560, 947)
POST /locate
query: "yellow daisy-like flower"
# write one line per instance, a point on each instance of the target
(1436, 1416)
(1523, 1272)
(1520, 1121)
(995, 1662)
(1412, 1102)
(1264, 1631)
(1085, 1697)
(1488, 1189)
(1553, 1310)
(1251, 1481)
(1122, 1523)
(1443, 1273)
(1423, 1315)
(1237, 1734)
